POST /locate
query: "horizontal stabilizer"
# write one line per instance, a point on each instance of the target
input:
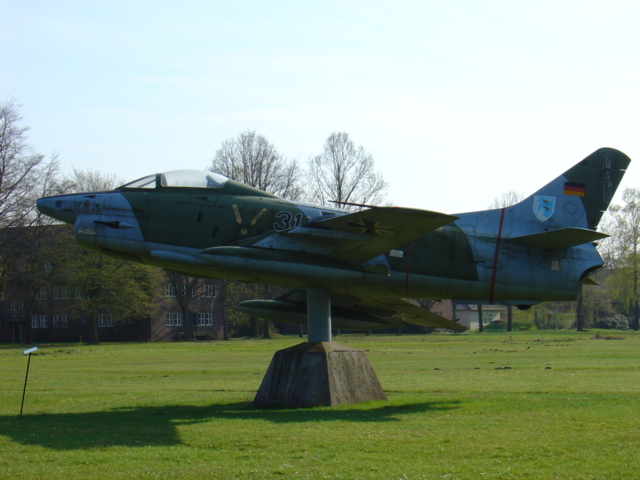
(559, 239)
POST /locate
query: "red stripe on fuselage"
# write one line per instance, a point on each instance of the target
(495, 258)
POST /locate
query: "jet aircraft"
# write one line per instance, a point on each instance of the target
(354, 270)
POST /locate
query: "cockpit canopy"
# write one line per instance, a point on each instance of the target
(180, 178)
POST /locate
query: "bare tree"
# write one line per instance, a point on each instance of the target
(344, 173)
(24, 177)
(252, 160)
(24, 174)
(89, 181)
(506, 199)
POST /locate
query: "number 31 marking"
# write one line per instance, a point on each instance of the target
(287, 221)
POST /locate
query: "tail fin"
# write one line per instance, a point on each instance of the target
(579, 197)
(594, 180)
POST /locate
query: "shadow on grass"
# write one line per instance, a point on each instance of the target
(152, 426)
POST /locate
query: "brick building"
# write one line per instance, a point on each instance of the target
(38, 298)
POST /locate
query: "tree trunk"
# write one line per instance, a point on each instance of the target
(579, 310)
(254, 330)
(265, 329)
(480, 322)
(225, 330)
(93, 330)
(636, 321)
(27, 336)
(222, 298)
(186, 324)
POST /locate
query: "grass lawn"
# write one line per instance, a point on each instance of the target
(535, 405)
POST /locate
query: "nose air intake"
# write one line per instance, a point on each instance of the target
(59, 208)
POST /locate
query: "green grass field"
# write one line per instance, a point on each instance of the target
(539, 405)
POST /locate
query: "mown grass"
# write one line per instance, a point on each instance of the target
(536, 405)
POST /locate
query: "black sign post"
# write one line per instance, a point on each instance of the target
(24, 391)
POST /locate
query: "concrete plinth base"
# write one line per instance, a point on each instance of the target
(318, 374)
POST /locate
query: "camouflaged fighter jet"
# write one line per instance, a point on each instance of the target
(354, 269)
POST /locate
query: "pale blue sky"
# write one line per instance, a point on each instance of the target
(456, 100)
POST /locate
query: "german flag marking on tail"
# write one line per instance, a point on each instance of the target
(576, 189)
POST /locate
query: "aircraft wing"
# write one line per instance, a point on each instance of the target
(385, 311)
(357, 237)
(411, 313)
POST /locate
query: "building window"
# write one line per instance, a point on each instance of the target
(40, 293)
(61, 321)
(105, 320)
(81, 294)
(174, 319)
(205, 319)
(209, 291)
(189, 290)
(167, 291)
(60, 293)
(17, 308)
(38, 321)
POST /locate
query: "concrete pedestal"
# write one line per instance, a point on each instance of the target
(318, 374)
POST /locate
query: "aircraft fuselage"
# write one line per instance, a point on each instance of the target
(180, 228)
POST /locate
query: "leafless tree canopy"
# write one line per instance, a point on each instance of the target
(252, 160)
(506, 199)
(89, 181)
(24, 175)
(345, 173)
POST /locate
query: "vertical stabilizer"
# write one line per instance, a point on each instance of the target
(594, 180)
(577, 198)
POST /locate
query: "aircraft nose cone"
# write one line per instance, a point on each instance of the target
(56, 207)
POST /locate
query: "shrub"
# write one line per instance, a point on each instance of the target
(617, 322)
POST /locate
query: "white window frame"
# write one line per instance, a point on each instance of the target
(105, 320)
(17, 308)
(41, 294)
(194, 291)
(38, 321)
(205, 319)
(168, 291)
(60, 293)
(209, 290)
(61, 321)
(174, 319)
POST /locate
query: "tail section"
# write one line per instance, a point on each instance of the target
(579, 197)
(524, 264)
(574, 202)
(595, 180)
(562, 214)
